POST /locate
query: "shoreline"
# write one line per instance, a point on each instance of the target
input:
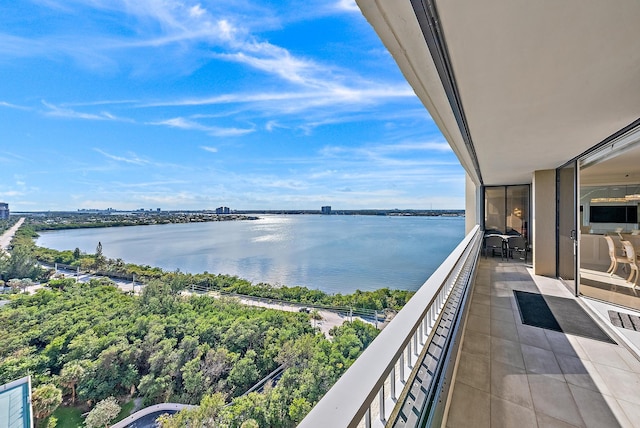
(335, 255)
(99, 221)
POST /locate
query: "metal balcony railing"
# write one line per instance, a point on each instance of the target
(403, 377)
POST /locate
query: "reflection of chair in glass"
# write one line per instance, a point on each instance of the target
(631, 259)
(615, 259)
(517, 244)
(493, 243)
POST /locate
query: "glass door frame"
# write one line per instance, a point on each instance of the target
(574, 235)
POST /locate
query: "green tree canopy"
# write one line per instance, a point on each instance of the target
(103, 413)
(45, 399)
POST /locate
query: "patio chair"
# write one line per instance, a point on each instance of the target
(493, 243)
(517, 244)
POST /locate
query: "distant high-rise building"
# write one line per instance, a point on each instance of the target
(4, 211)
(223, 210)
(326, 209)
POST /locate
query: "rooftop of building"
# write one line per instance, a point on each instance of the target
(15, 404)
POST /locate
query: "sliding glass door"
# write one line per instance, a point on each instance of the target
(566, 225)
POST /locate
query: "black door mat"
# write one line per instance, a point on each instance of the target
(559, 314)
(620, 319)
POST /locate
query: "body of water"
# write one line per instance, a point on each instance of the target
(336, 254)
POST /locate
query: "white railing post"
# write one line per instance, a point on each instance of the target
(392, 383)
(381, 399)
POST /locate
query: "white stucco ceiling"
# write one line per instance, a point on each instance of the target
(540, 81)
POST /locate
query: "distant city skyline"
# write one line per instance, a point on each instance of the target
(195, 105)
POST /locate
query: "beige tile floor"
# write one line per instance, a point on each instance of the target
(515, 375)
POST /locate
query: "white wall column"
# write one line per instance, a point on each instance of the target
(544, 222)
(472, 204)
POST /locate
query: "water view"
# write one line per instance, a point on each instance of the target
(330, 253)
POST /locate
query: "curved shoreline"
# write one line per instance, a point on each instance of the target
(335, 254)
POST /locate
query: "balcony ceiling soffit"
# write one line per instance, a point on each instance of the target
(543, 81)
(540, 82)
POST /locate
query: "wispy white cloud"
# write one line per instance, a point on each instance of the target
(175, 200)
(381, 150)
(431, 146)
(182, 123)
(209, 149)
(13, 106)
(11, 193)
(276, 183)
(12, 157)
(57, 111)
(323, 174)
(146, 184)
(130, 158)
(97, 103)
(297, 101)
(273, 124)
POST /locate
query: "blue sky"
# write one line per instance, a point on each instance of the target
(195, 104)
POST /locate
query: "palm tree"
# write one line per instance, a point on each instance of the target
(99, 259)
(315, 316)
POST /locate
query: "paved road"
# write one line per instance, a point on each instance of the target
(7, 236)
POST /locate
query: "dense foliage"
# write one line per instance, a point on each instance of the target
(6, 224)
(96, 341)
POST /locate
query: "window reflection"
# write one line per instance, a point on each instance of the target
(507, 210)
(609, 225)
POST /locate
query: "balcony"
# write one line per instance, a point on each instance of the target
(464, 329)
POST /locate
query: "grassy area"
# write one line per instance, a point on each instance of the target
(71, 417)
(68, 417)
(125, 411)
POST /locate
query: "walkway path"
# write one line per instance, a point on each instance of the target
(7, 236)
